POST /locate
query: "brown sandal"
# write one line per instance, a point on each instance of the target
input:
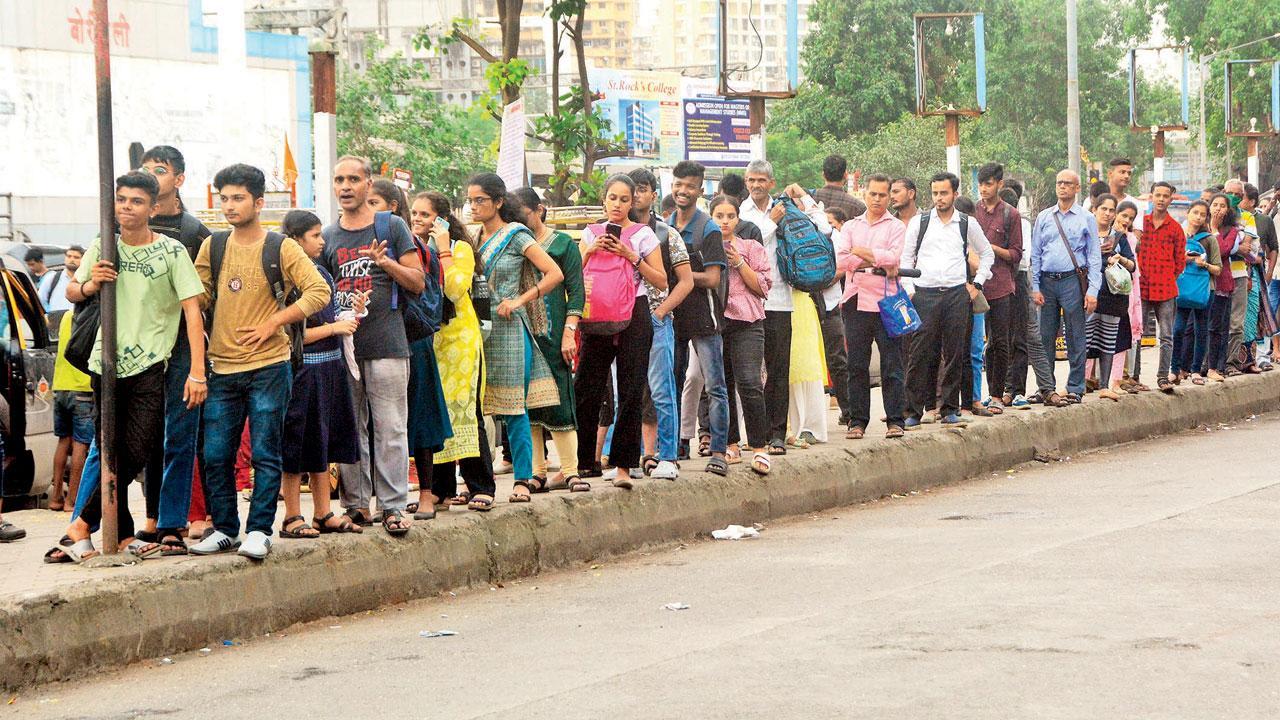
(854, 433)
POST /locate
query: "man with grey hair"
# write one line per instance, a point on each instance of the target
(1234, 189)
(1064, 253)
(384, 270)
(760, 210)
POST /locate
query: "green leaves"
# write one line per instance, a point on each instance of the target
(386, 114)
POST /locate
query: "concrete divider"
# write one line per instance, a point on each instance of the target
(156, 608)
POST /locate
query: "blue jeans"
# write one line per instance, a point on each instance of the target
(710, 351)
(1062, 296)
(1190, 340)
(662, 386)
(519, 434)
(89, 479)
(263, 396)
(181, 431)
(977, 346)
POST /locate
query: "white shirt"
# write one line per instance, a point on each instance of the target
(943, 254)
(54, 294)
(779, 297)
(1025, 263)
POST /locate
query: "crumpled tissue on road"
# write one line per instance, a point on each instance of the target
(735, 532)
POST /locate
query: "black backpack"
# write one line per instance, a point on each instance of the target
(275, 280)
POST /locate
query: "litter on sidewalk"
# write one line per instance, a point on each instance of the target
(735, 532)
(675, 606)
(436, 633)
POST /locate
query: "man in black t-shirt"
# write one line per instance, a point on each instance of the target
(169, 474)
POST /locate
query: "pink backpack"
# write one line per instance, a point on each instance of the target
(610, 283)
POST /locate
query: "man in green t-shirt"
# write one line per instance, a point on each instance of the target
(155, 283)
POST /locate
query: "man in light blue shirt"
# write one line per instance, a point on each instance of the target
(1055, 286)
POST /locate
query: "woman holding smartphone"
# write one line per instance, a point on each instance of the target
(458, 347)
(749, 282)
(621, 239)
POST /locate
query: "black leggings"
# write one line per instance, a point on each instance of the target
(631, 350)
(139, 427)
(477, 472)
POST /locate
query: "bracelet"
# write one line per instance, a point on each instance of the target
(196, 380)
(740, 264)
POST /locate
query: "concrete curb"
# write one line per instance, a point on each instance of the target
(168, 608)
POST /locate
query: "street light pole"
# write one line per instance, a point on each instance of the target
(1073, 92)
(1204, 122)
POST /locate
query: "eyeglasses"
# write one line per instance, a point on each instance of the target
(479, 199)
(1068, 183)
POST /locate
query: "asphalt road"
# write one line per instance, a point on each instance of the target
(1138, 582)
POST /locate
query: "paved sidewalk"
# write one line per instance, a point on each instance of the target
(56, 621)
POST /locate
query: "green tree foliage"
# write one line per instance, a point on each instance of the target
(387, 115)
(1214, 25)
(860, 85)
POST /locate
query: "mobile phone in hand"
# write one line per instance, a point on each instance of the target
(441, 224)
(614, 230)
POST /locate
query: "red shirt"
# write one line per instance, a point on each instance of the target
(1162, 254)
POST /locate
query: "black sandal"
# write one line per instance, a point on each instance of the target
(171, 545)
(531, 486)
(647, 464)
(393, 522)
(411, 508)
(480, 503)
(147, 536)
(299, 532)
(321, 524)
(577, 484)
(359, 518)
(717, 466)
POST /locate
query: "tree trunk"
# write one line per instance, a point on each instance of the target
(584, 85)
(509, 22)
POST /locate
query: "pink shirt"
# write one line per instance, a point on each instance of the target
(743, 304)
(884, 238)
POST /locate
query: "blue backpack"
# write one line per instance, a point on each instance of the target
(806, 257)
(1194, 282)
(423, 312)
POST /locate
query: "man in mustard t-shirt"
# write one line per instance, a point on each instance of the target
(72, 419)
(250, 351)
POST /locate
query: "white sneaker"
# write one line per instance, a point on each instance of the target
(256, 546)
(217, 542)
(666, 470)
(610, 474)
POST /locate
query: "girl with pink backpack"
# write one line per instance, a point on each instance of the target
(615, 324)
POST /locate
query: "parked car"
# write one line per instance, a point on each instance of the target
(26, 386)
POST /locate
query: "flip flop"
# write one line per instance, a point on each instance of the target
(760, 464)
(480, 503)
(577, 484)
(142, 548)
(171, 545)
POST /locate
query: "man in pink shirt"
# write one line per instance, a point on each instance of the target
(871, 240)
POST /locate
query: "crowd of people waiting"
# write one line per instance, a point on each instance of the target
(671, 328)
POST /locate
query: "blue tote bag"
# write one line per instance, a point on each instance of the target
(897, 313)
(1194, 282)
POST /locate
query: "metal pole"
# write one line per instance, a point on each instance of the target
(1073, 92)
(1157, 170)
(1204, 124)
(722, 57)
(1252, 146)
(107, 294)
(952, 128)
